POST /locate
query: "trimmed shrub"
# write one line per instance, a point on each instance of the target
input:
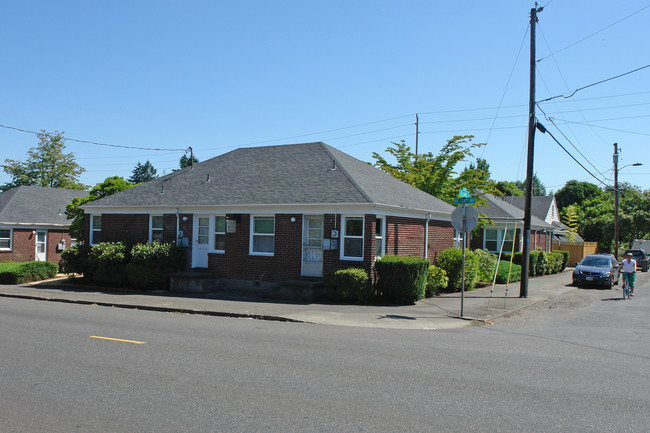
(349, 285)
(436, 280)
(487, 263)
(25, 272)
(74, 260)
(152, 264)
(565, 259)
(542, 263)
(401, 279)
(107, 262)
(502, 273)
(451, 260)
(555, 262)
(533, 260)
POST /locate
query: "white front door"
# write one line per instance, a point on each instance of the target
(41, 246)
(201, 242)
(312, 246)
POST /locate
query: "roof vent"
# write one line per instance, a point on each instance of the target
(162, 188)
(333, 165)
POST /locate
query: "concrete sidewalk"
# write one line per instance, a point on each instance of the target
(480, 306)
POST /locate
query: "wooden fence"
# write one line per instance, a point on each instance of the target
(577, 251)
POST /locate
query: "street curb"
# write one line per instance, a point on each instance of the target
(159, 309)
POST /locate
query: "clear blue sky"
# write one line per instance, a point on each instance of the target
(218, 75)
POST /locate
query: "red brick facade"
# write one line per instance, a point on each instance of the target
(23, 245)
(403, 236)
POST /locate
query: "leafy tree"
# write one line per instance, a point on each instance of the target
(47, 165)
(482, 167)
(509, 188)
(435, 174)
(538, 187)
(143, 173)
(575, 192)
(109, 186)
(185, 161)
(570, 218)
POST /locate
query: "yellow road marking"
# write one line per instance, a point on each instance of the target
(118, 339)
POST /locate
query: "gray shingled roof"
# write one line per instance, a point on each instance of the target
(296, 174)
(539, 205)
(499, 209)
(35, 205)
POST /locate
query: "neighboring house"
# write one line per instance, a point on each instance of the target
(277, 213)
(506, 228)
(33, 224)
(545, 208)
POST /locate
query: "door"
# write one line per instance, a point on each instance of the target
(41, 246)
(312, 246)
(201, 242)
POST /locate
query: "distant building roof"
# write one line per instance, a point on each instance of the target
(35, 205)
(499, 209)
(297, 174)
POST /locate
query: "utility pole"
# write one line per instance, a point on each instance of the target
(616, 200)
(417, 124)
(523, 292)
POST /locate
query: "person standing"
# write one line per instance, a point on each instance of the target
(629, 272)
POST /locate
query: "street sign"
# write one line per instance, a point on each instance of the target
(464, 218)
(463, 193)
(465, 200)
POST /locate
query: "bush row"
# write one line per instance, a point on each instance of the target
(405, 280)
(26, 272)
(143, 266)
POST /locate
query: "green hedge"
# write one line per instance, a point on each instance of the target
(107, 262)
(487, 263)
(25, 272)
(451, 261)
(401, 279)
(151, 265)
(436, 280)
(502, 273)
(74, 260)
(349, 285)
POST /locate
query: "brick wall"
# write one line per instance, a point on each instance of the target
(129, 228)
(24, 245)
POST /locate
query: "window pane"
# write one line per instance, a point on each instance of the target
(263, 225)
(157, 222)
(491, 245)
(220, 224)
(97, 237)
(4, 234)
(263, 244)
(97, 222)
(219, 242)
(353, 247)
(507, 246)
(378, 247)
(354, 226)
(490, 234)
(203, 231)
(378, 226)
(4, 243)
(157, 236)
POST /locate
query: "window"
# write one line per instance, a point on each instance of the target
(262, 235)
(220, 233)
(494, 237)
(95, 229)
(352, 238)
(156, 228)
(379, 238)
(204, 231)
(5, 239)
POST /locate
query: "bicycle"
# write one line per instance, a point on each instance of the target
(626, 288)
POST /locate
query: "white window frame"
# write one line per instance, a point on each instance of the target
(11, 237)
(381, 236)
(93, 230)
(253, 235)
(500, 233)
(215, 233)
(345, 236)
(153, 229)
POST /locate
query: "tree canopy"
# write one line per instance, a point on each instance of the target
(435, 174)
(143, 173)
(185, 161)
(47, 165)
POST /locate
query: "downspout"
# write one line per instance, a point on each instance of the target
(178, 226)
(426, 237)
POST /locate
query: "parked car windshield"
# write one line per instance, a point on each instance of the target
(601, 262)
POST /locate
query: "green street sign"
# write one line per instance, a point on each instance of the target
(465, 200)
(463, 193)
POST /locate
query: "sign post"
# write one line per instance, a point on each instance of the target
(464, 219)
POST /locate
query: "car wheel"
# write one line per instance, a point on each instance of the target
(610, 283)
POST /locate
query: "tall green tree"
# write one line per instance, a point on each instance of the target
(575, 192)
(47, 165)
(509, 188)
(436, 174)
(143, 173)
(185, 161)
(109, 186)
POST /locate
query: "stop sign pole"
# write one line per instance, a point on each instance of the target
(464, 219)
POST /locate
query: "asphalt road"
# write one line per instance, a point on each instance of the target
(581, 363)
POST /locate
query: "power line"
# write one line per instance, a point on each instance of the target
(593, 84)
